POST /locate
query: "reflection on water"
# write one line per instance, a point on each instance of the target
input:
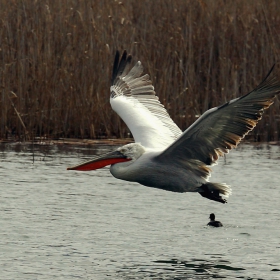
(57, 224)
(215, 267)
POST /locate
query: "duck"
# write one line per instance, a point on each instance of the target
(214, 223)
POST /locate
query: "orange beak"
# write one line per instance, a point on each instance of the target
(99, 162)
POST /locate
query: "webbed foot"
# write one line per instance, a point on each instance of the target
(211, 194)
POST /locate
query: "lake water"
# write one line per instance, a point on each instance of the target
(58, 224)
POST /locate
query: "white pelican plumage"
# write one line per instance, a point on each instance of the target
(163, 156)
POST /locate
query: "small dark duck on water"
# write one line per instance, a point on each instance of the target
(214, 223)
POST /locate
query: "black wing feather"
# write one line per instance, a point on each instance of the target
(120, 65)
(222, 128)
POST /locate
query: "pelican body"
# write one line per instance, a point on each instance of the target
(156, 174)
(163, 156)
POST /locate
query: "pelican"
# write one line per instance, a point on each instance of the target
(163, 156)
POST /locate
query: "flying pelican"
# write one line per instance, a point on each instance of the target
(163, 156)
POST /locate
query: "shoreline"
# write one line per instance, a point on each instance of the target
(69, 141)
(93, 142)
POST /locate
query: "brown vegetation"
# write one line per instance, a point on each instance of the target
(56, 59)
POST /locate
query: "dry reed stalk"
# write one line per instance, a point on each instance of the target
(57, 57)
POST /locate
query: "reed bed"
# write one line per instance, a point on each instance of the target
(56, 59)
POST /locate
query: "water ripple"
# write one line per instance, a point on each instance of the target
(57, 224)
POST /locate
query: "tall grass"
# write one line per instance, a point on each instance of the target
(56, 59)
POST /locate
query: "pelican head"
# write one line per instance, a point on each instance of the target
(132, 151)
(129, 152)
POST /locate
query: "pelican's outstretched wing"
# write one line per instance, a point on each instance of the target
(133, 99)
(220, 129)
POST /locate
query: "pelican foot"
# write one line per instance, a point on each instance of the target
(211, 194)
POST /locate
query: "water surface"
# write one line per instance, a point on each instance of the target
(58, 224)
